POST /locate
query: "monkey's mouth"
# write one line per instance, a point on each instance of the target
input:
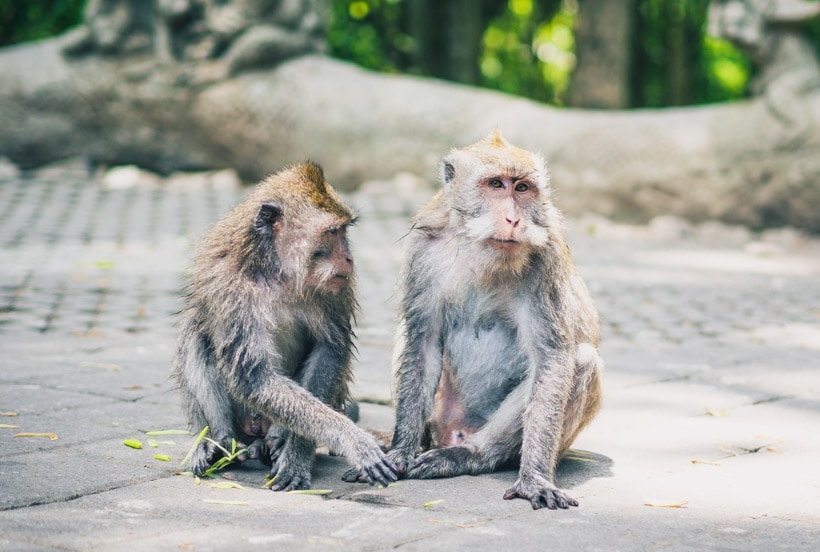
(504, 245)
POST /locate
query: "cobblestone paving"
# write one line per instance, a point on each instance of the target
(79, 259)
(712, 397)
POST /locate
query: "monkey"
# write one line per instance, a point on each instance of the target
(497, 347)
(266, 330)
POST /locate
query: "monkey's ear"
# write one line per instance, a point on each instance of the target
(269, 214)
(448, 170)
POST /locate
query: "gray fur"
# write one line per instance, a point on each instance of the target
(519, 332)
(267, 327)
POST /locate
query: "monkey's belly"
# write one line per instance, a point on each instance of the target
(484, 365)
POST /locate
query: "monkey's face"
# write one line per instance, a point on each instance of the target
(330, 267)
(498, 197)
(507, 225)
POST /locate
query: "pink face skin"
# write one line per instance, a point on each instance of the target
(509, 198)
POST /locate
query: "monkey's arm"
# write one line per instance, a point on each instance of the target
(296, 409)
(417, 379)
(542, 432)
(325, 375)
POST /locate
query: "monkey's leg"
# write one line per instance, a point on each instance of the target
(495, 443)
(418, 377)
(205, 399)
(542, 430)
(585, 400)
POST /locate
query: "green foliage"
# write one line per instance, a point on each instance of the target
(676, 63)
(369, 33)
(21, 21)
(528, 50)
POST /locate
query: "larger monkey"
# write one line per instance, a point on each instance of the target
(497, 353)
(266, 328)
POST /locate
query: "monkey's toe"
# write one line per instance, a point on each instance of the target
(541, 496)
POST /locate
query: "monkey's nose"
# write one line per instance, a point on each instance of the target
(514, 223)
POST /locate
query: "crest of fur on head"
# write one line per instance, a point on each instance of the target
(499, 194)
(281, 230)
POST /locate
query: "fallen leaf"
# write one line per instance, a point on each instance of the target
(8, 414)
(9, 426)
(162, 457)
(312, 491)
(226, 502)
(666, 504)
(52, 436)
(717, 413)
(432, 503)
(226, 485)
(709, 462)
(774, 450)
(133, 443)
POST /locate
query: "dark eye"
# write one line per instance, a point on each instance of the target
(522, 187)
(321, 253)
(333, 230)
(496, 183)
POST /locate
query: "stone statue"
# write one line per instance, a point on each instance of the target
(209, 84)
(769, 32)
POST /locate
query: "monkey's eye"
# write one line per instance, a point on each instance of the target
(496, 183)
(333, 230)
(321, 253)
(522, 187)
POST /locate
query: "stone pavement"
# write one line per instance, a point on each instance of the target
(709, 437)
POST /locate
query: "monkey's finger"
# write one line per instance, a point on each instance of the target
(298, 484)
(380, 477)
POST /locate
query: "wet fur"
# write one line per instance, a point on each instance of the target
(266, 329)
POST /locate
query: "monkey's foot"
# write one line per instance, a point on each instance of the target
(443, 462)
(540, 493)
(400, 459)
(288, 478)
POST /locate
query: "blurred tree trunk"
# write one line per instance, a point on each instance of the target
(449, 35)
(603, 41)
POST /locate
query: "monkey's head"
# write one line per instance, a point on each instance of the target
(299, 230)
(498, 195)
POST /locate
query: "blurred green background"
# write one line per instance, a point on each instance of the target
(524, 47)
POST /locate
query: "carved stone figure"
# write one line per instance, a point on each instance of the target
(768, 31)
(208, 84)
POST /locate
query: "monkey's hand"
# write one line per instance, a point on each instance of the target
(258, 450)
(540, 493)
(208, 451)
(372, 464)
(443, 462)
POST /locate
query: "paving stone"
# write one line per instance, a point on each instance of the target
(711, 353)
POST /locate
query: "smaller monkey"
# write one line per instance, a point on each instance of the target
(497, 349)
(265, 340)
